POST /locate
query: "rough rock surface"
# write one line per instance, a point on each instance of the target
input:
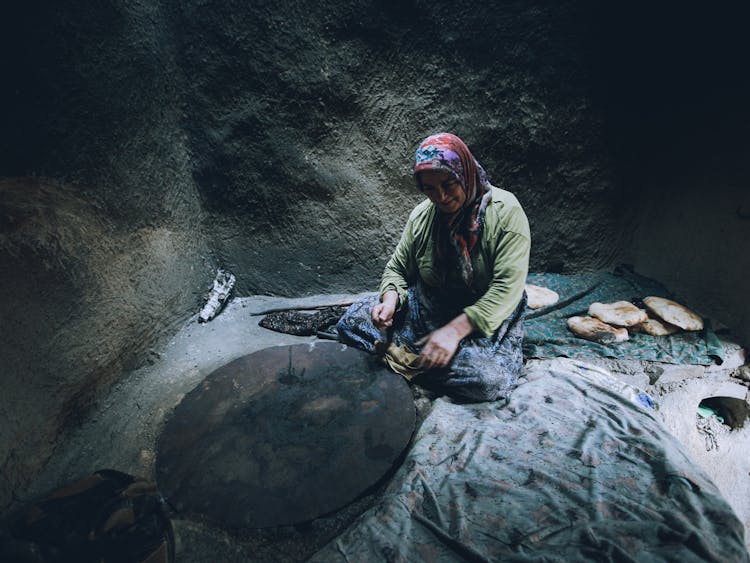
(297, 122)
(677, 128)
(102, 254)
(308, 143)
(83, 301)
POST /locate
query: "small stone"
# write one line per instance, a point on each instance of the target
(743, 373)
(673, 373)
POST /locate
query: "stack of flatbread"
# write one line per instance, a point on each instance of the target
(611, 322)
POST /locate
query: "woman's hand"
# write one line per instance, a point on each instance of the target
(382, 313)
(440, 345)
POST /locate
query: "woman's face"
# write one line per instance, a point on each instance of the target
(443, 190)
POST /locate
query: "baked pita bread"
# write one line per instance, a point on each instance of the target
(673, 313)
(655, 327)
(596, 331)
(539, 296)
(619, 313)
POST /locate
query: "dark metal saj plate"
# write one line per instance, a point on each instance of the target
(284, 435)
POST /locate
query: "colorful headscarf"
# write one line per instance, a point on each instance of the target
(462, 229)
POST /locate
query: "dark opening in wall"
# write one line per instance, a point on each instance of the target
(735, 412)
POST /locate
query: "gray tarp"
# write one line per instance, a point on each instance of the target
(569, 470)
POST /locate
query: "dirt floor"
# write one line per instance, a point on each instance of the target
(122, 430)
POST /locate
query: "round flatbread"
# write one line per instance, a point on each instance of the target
(539, 296)
(596, 331)
(673, 313)
(619, 313)
(656, 327)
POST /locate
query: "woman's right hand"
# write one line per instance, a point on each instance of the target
(382, 313)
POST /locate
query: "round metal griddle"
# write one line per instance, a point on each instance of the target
(284, 435)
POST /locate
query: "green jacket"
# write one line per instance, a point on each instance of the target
(500, 263)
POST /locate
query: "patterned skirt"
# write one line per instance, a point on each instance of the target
(483, 368)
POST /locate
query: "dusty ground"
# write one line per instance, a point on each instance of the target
(122, 430)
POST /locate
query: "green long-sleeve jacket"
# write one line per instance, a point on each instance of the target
(500, 263)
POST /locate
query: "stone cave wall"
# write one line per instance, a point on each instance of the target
(304, 118)
(710, 267)
(143, 144)
(101, 251)
(677, 128)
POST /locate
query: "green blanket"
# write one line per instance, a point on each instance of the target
(547, 334)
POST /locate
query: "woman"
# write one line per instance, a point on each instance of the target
(452, 299)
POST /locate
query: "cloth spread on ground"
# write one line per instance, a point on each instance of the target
(547, 335)
(301, 323)
(567, 471)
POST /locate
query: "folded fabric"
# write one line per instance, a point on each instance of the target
(403, 361)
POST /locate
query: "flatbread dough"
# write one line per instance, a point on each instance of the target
(596, 331)
(656, 327)
(673, 313)
(539, 296)
(619, 313)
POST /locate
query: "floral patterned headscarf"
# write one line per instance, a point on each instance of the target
(460, 230)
